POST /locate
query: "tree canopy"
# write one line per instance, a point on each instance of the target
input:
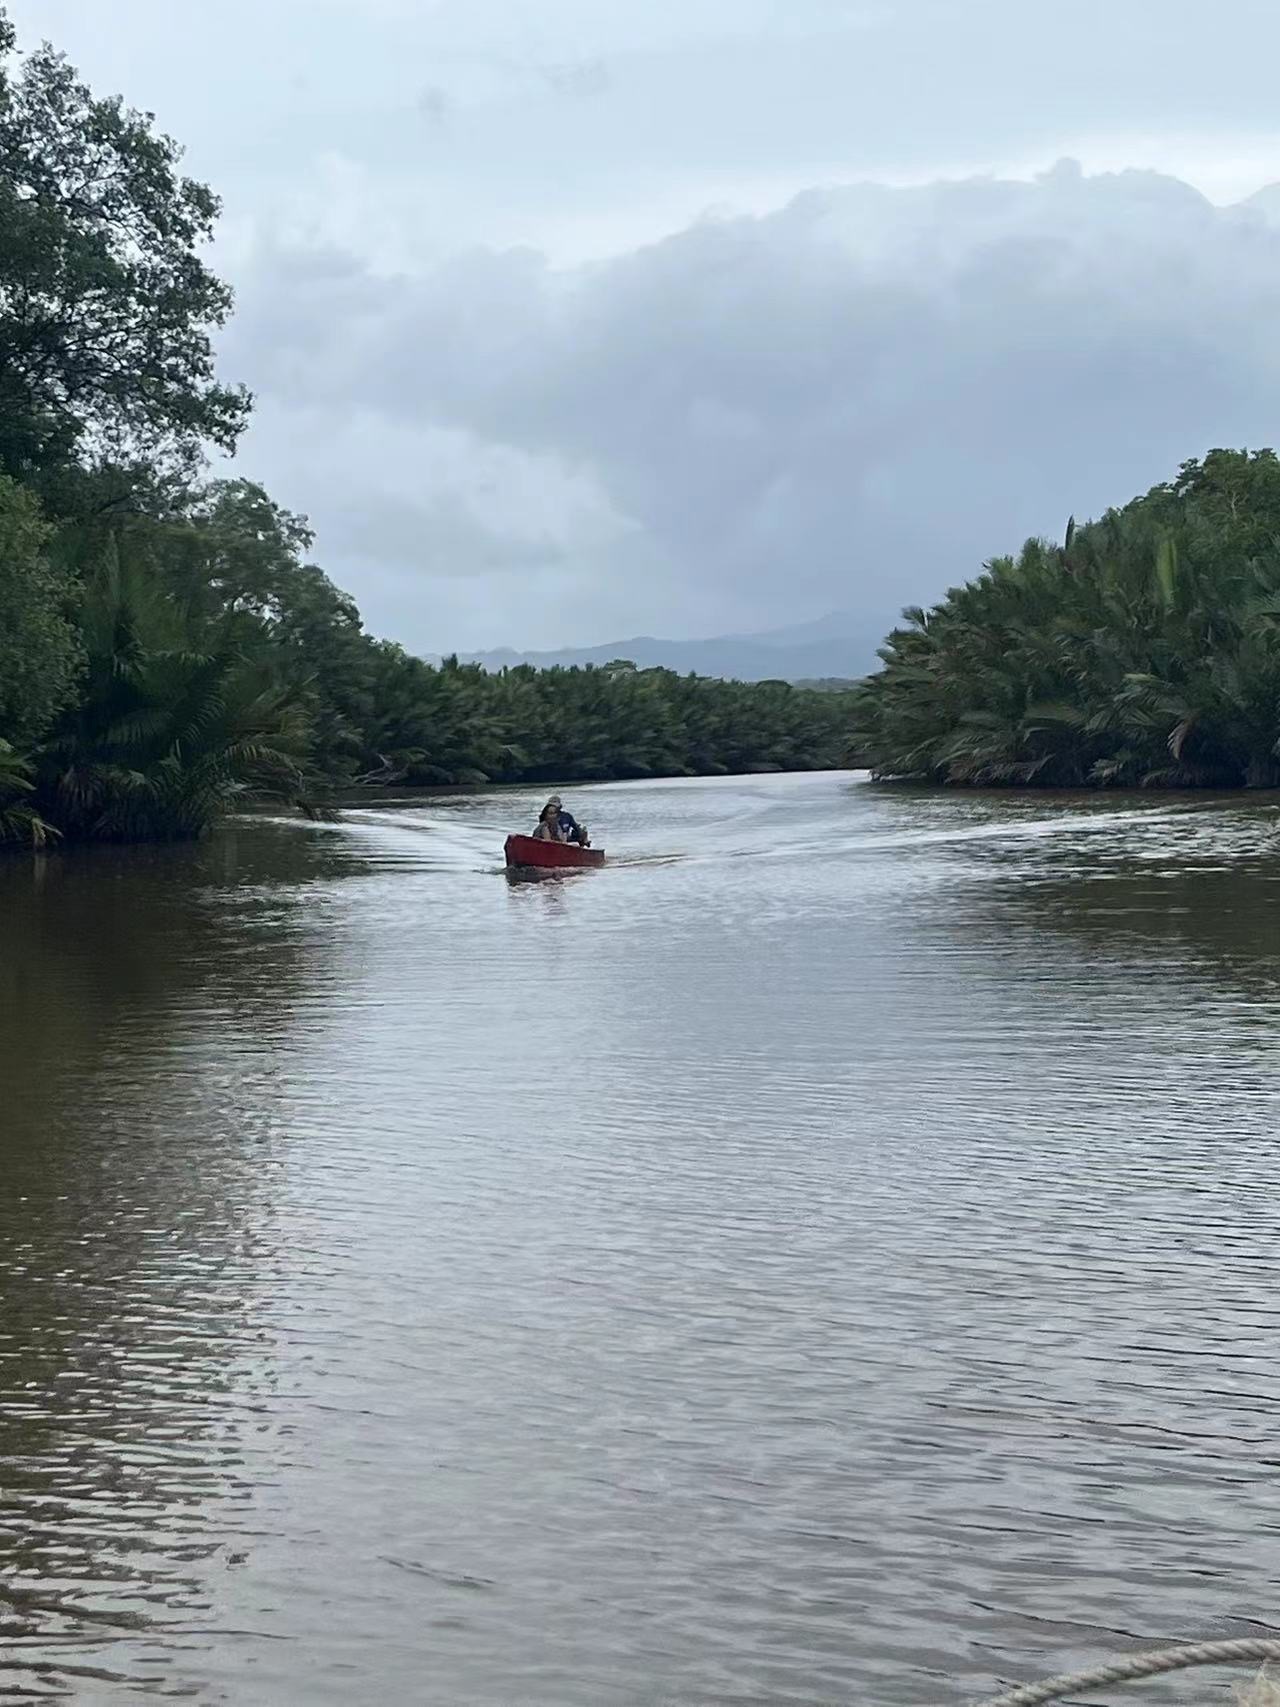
(1143, 650)
(106, 308)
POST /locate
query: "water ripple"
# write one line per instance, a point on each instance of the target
(827, 1255)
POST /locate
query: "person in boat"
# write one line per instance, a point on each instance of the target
(570, 829)
(548, 825)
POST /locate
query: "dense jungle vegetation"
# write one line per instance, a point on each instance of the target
(1142, 651)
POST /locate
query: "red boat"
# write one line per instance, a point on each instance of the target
(561, 856)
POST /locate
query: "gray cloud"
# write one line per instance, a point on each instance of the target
(578, 79)
(850, 399)
(433, 103)
(848, 403)
(692, 102)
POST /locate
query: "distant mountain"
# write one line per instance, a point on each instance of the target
(836, 645)
(1265, 201)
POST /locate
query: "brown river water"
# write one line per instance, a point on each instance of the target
(830, 1255)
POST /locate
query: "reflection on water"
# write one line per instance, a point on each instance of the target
(829, 1254)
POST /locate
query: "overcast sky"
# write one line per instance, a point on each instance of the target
(571, 319)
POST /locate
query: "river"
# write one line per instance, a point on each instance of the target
(830, 1255)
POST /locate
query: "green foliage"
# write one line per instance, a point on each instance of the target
(169, 730)
(106, 308)
(39, 653)
(19, 821)
(1143, 651)
(457, 724)
(216, 662)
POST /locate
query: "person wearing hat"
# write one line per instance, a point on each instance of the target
(557, 825)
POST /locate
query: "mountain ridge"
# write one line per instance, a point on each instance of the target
(835, 645)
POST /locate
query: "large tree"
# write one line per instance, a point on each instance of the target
(106, 307)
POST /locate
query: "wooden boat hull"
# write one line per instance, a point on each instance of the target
(529, 853)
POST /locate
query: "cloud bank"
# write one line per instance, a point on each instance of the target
(847, 403)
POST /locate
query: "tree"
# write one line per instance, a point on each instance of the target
(233, 551)
(170, 729)
(106, 309)
(39, 651)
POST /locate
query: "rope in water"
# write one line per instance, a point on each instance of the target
(1139, 1666)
